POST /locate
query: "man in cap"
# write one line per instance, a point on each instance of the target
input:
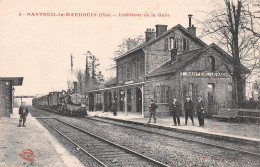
(152, 108)
(23, 112)
(175, 110)
(200, 110)
(188, 108)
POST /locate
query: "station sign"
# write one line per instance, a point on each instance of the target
(205, 74)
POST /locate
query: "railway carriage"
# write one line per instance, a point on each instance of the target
(62, 103)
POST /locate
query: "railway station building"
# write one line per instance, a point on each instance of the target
(170, 63)
(7, 94)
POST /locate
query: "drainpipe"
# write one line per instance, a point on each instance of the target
(142, 90)
(125, 102)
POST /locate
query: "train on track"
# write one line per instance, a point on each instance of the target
(62, 102)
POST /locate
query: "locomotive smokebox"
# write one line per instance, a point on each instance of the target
(75, 87)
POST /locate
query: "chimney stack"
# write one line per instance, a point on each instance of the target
(160, 29)
(174, 54)
(131, 44)
(149, 34)
(191, 28)
(190, 15)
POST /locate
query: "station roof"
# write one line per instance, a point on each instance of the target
(144, 44)
(184, 59)
(16, 81)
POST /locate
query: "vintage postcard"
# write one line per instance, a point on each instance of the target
(129, 83)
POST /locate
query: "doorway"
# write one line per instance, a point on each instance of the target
(138, 100)
(91, 102)
(211, 98)
(129, 100)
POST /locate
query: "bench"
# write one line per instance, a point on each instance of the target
(226, 114)
(249, 114)
(238, 114)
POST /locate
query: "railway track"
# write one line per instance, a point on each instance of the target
(216, 151)
(103, 151)
(255, 154)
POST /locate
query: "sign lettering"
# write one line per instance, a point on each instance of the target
(205, 74)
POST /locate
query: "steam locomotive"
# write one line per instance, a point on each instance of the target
(62, 102)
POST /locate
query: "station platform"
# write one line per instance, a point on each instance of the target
(34, 140)
(248, 133)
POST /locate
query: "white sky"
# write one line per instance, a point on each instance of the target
(39, 48)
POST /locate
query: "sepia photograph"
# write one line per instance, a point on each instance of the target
(129, 83)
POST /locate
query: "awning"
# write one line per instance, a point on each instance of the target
(16, 81)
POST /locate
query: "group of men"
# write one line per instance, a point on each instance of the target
(175, 110)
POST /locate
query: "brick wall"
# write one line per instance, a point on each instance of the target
(131, 60)
(5, 98)
(178, 85)
(158, 53)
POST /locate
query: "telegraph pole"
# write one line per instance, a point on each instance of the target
(93, 68)
(71, 63)
(87, 68)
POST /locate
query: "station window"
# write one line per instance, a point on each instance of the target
(128, 72)
(179, 44)
(187, 45)
(184, 43)
(161, 94)
(210, 63)
(172, 43)
(98, 98)
(229, 90)
(211, 91)
(124, 73)
(120, 74)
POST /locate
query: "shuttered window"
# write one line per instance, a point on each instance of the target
(137, 70)
(161, 94)
(188, 45)
(128, 72)
(120, 74)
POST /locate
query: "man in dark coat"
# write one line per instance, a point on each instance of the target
(23, 112)
(175, 111)
(114, 108)
(188, 108)
(200, 110)
(152, 108)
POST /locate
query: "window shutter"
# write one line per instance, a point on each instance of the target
(125, 72)
(166, 44)
(161, 94)
(188, 45)
(175, 43)
(133, 70)
(195, 90)
(184, 44)
(169, 44)
(184, 90)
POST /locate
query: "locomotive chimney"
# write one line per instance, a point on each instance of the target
(75, 87)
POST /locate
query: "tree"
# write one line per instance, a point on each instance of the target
(91, 78)
(233, 27)
(123, 47)
(81, 81)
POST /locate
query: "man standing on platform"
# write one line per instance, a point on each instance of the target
(200, 110)
(175, 110)
(188, 108)
(114, 108)
(23, 112)
(152, 108)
